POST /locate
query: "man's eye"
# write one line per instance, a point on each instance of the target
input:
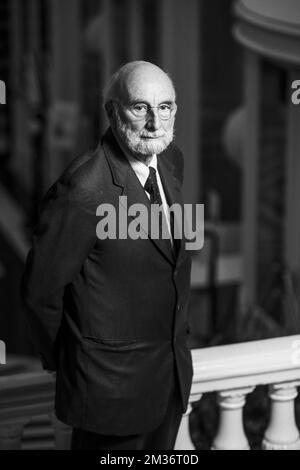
(140, 108)
(164, 107)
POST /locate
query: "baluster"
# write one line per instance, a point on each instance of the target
(183, 440)
(62, 434)
(11, 434)
(282, 432)
(231, 434)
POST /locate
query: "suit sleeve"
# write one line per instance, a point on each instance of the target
(62, 240)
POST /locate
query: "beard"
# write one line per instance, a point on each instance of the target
(142, 142)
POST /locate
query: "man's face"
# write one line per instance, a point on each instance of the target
(144, 118)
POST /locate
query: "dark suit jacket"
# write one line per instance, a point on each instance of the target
(109, 315)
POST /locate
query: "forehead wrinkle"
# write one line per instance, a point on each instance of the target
(149, 94)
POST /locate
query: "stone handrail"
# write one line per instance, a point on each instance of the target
(233, 371)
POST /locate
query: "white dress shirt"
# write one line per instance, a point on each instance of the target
(142, 172)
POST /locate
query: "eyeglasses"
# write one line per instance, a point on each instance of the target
(142, 110)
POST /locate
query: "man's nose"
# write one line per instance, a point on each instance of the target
(153, 121)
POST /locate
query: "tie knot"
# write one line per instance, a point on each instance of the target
(152, 172)
(151, 180)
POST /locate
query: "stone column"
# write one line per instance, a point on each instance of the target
(282, 432)
(231, 434)
(251, 160)
(180, 26)
(292, 225)
(183, 440)
(65, 83)
(135, 32)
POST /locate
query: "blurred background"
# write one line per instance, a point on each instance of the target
(55, 60)
(233, 64)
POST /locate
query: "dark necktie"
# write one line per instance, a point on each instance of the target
(151, 187)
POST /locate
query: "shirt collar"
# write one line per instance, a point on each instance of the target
(141, 169)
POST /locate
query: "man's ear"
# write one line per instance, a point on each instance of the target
(175, 109)
(109, 108)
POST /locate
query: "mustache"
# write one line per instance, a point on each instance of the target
(152, 135)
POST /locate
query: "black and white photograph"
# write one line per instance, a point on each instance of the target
(149, 228)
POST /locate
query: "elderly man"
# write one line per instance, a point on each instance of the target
(109, 314)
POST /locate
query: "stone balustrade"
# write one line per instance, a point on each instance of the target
(233, 371)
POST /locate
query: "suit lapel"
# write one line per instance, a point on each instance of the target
(174, 196)
(125, 177)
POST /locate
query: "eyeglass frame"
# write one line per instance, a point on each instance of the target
(173, 107)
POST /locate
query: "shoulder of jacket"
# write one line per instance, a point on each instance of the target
(81, 181)
(174, 156)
